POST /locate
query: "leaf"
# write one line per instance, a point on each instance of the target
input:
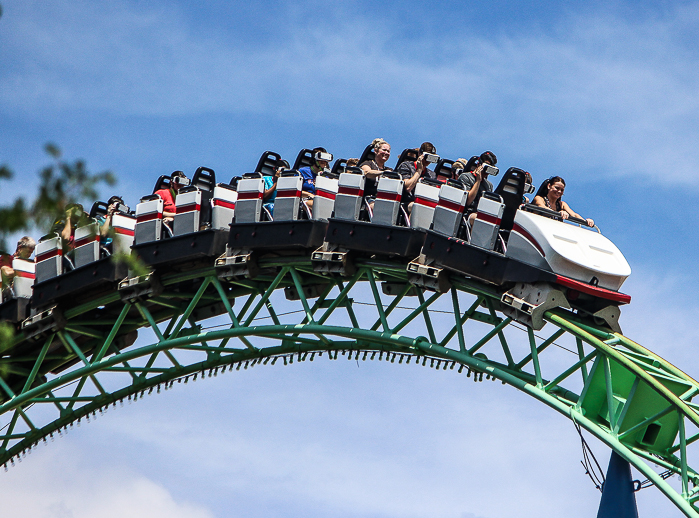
(53, 150)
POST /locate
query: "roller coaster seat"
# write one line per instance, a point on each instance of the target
(124, 226)
(304, 159)
(350, 194)
(87, 244)
(486, 226)
(99, 209)
(288, 200)
(267, 164)
(223, 205)
(24, 278)
(163, 182)
(204, 179)
(444, 170)
(48, 256)
(193, 203)
(149, 219)
(367, 154)
(408, 155)
(448, 213)
(511, 189)
(338, 166)
(388, 199)
(426, 199)
(248, 207)
(327, 185)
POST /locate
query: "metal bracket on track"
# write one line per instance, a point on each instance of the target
(526, 303)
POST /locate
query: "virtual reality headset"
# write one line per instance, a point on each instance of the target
(431, 158)
(323, 156)
(490, 170)
(182, 181)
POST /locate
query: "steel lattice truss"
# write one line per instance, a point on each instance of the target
(199, 325)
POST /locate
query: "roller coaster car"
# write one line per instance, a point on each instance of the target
(292, 229)
(94, 272)
(539, 261)
(200, 230)
(387, 234)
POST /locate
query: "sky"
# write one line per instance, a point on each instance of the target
(603, 94)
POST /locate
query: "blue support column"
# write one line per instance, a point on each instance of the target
(618, 498)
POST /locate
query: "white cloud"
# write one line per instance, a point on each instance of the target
(60, 483)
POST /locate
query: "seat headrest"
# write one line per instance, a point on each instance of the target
(204, 179)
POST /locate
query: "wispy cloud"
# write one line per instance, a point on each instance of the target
(614, 96)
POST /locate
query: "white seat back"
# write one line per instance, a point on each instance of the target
(87, 244)
(124, 229)
(426, 199)
(286, 204)
(24, 278)
(487, 223)
(49, 259)
(223, 209)
(350, 194)
(450, 208)
(149, 220)
(324, 201)
(249, 204)
(388, 198)
(187, 212)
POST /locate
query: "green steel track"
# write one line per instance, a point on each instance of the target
(197, 325)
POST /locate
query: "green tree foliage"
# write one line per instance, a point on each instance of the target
(61, 183)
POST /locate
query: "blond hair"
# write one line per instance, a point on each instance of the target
(377, 143)
(26, 242)
(462, 163)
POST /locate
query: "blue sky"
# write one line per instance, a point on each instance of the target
(603, 94)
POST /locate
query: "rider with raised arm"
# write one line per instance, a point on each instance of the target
(475, 180)
(412, 171)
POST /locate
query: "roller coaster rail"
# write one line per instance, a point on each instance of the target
(77, 361)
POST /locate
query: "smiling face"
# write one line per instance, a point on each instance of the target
(556, 190)
(383, 154)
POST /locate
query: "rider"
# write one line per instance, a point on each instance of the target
(177, 180)
(321, 162)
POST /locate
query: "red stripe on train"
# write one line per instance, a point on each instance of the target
(325, 194)
(190, 207)
(426, 202)
(351, 191)
(450, 205)
(149, 217)
(250, 195)
(48, 255)
(488, 218)
(123, 231)
(288, 193)
(86, 240)
(390, 196)
(225, 204)
(526, 235)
